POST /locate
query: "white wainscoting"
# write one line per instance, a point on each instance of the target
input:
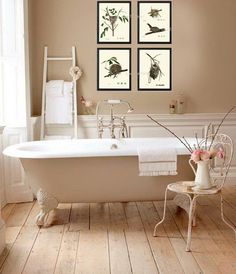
(16, 189)
(2, 187)
(139, 125)
(2, 197)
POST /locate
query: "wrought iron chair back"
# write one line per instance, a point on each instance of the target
(221, 166)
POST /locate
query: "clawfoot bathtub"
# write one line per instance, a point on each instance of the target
(92, 170)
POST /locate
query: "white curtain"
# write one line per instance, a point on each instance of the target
(12, 64)
(13, 95)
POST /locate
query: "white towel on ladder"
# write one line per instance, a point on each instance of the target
(55, 87)
(59, 105)
(157, 161)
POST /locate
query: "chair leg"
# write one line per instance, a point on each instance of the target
(194, 213)
(164, 215)
(222, 215)
(190, 221)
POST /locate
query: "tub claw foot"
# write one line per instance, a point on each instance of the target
(46, 203)
(40, 218)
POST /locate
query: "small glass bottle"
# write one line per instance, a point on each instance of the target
(172, 107)
(180, 103)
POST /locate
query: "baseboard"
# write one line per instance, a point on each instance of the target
(2, 236)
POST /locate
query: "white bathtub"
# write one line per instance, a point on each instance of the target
(88, 170)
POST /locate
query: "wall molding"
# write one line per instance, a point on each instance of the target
(86, 122)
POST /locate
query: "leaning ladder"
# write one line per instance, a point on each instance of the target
(74, 108)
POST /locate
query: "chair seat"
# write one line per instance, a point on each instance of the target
(182, 187)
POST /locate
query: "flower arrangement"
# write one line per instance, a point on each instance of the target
(204, 155)
(88, 105)
(203, 150)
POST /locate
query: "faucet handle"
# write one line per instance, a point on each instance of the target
(122, 118)
(100, 121)
(100, 124)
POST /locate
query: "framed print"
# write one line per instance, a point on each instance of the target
(114, 69)
(154, 69)
(154, 22)
(113, 22)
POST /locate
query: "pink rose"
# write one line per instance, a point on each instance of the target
(195, 156)
(200, 154)
(220, 153)
(205, 155)
(88, 103)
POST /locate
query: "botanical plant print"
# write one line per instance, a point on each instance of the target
(111, 20)
(114, 69)
(114, 22)
(154, 69)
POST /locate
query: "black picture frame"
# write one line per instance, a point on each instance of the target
(117, 40)
(120, 82)
(164, 34)
(163, 80)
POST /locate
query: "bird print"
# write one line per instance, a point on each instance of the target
(154, 13)
(154, 29)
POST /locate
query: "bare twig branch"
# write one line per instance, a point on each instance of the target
(207, 134)
(170, 132)
(213, 138)
(187, 143)
(197, 140)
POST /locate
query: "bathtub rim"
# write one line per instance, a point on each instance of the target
(20, 150)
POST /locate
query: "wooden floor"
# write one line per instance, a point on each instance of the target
(117, 238)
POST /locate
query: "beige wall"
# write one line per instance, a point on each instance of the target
(204, 52)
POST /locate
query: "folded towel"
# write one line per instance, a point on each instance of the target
(59, 108)
(68, 86)
(157, 161)
(55, 87)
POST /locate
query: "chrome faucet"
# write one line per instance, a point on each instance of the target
(115, 121)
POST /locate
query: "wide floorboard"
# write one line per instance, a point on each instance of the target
(117, 238)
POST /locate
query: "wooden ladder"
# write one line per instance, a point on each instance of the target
(74, 104)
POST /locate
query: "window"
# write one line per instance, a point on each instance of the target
(12, 64)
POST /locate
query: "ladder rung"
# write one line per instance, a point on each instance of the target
(56, 58)
(59, 58)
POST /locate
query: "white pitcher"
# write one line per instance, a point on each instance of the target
(202, 175)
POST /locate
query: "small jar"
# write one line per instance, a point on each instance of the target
(172, 107)
(180, 103)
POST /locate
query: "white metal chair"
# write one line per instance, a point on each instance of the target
(186, 197)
